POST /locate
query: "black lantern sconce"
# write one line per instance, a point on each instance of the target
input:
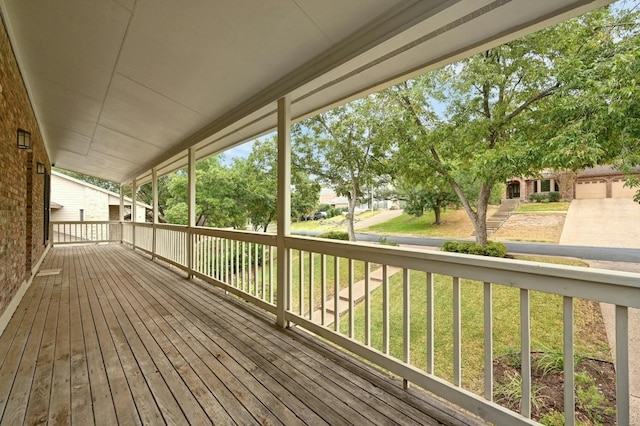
(24, 139)
(40, 169)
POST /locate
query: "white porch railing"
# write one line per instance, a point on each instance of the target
(374, 318)
(85, 232)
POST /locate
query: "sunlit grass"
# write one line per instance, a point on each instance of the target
(544, 207)
(456, 224)
(546, 323)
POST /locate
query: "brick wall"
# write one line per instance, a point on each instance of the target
(21, 188)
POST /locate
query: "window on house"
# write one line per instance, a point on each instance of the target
(545, 185)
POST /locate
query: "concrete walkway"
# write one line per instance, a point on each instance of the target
(375, 281)
(381, 217)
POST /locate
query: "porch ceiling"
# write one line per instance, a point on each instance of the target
(121, 86)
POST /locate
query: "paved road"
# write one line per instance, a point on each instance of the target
(610, 254)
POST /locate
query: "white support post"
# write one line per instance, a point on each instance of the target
(191, 208)
(623, 412)
(283, 207)
(154, 191)
(121, 215)
(134, 188)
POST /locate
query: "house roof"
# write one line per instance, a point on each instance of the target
(602, 171)
(94, 187)
(121, 86)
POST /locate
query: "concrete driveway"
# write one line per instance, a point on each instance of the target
(609, 222)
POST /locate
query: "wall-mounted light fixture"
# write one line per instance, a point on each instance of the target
(24, 139)
(40, 169)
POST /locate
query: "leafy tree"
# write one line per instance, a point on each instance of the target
(436, 199)
(305, 193)
(345, 148)
(145, 193)
(217, 191)
(512, 111)
(601, 100)
(260, 170)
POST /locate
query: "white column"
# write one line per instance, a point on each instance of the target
(283, 207)
(154, 192)
(134, 189)
(121, 215)
(191, 202)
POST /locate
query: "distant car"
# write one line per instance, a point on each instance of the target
(319, 215)
(314, 216)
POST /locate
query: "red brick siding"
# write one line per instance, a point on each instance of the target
(21, 229)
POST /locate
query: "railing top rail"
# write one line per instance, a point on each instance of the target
(86, 222)
(234, 234)
(621, 288)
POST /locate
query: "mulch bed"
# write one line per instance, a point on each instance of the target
(594, 406)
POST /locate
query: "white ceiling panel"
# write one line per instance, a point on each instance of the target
(68, 109)
(211, 71)
(121, 86)
(122, 146)
(139, 112)
(71, 43)
(74, 142)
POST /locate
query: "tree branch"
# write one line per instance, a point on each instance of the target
(545, 93)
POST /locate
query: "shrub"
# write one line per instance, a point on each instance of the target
(492, 248)
(335, 235)
(495, 249)
(546, 197)
(331, 212)
(554, 197)
(537, 197)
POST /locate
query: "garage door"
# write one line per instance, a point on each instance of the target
(618, 189)
(591, 189)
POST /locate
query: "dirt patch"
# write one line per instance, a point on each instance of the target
(542, 227)
(595, 390)
(595, 376)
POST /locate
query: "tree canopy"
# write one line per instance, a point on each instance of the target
(346, 148)
(542, 101)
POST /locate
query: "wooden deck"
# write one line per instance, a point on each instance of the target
(113, 338)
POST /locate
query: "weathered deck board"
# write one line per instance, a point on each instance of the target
(116, 338)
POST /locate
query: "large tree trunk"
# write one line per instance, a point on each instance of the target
(478, 217)
(480, 220)
(437, 211)
(350, 215)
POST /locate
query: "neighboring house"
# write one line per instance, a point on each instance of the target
(596, 182)
(75, 200)
(329, 196)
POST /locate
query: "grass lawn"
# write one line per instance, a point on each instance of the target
(456, 225)
(562, 206)
(546, 324)
(302, 284)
